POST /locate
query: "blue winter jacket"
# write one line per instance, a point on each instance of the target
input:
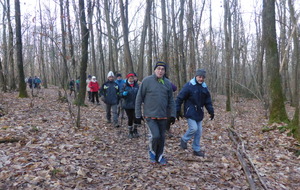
(129, 99)
(194, 96)
(110, 92)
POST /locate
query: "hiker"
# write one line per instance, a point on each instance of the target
(30, 82)
(128, 93)
(195, 95)
(94, 88)
(77, 83)
(88, 80)
(155, 93)
(110, 95)
(72, 86)
(37, 82)
(120, 81)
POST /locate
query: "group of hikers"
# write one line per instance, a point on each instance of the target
(34, 82)
(152, 101)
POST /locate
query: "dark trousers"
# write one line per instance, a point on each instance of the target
(90, 95)
(131, 116)
(157, 129)
(95, 94)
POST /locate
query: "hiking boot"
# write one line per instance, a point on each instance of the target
(130, 135)
(135, 133)
(163, 161)
(152, 157)
(108, 121)
(199, 153)
(117, 125)
(183, 144)
(98, 103)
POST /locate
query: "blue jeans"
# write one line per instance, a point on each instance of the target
(194, 130)
(157, 129)
(114, 112)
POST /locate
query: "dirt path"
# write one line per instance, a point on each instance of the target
(54, 155)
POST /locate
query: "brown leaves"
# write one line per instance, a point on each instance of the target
(53, 155)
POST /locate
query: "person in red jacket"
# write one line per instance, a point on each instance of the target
(94, 87)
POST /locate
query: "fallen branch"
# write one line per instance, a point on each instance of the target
(9, 140)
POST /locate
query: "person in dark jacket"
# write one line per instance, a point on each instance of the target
(129, 92)
(155, 93)
(72, 86)
(110, 95)
(195, 96)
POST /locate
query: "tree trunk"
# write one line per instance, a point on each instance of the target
(150, 48)
(111, 65)
(143, 38)
(63, 47)
(4, 69)
(12, 79)
(176, 50)
(164, 32)
(19, 55)
(127, 54)
(84, 53)
(42, 60)
(191, 40)
(228, 53)
(295, 122)
(91, 29)
(74, 71)
(277, 107)
(181, 45)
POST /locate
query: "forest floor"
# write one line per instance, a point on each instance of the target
(50, 153)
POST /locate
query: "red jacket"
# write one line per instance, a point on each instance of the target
(94, 86)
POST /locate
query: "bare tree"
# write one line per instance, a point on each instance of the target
(4, 69)
(277, 107)
(124, 18)
(19, 55)
(12, 79)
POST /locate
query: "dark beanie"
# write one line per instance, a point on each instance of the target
(201, 72)
(118, 75)
(160, 63)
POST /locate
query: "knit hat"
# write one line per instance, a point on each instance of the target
(118, 75)
(110, 74)
(201, 72)
(160, 63)
(130, 75)
(93, 77)
(89, 76)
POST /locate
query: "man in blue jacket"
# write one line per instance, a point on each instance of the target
(157, 95)
(195, 95)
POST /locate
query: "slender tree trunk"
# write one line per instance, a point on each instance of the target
(191, 39)
(277, 107)
(64, 51)
(100, 45)
(111, 66)
(91, 29)
(127, 54)
(228, 53)
(4, 69)
(19, 55)
(84, 53)
(164, 32)
(181, 45)
(176, 50)
(12, 79)
(150, 48)
(143, 38)
(74, 73)
(295, 122)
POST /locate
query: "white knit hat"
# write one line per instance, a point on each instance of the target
(110, 74)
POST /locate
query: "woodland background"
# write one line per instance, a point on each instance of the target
(248, 53)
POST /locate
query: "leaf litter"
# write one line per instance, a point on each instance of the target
(51, 153)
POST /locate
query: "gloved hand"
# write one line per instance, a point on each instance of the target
(172, 120)
(212, 116)
(178, 114)
(125, 93)
(138, 120)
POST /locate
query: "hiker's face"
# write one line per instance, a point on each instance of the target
(200, 79)
(130, 79)
(160, 71)
(110, 78)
